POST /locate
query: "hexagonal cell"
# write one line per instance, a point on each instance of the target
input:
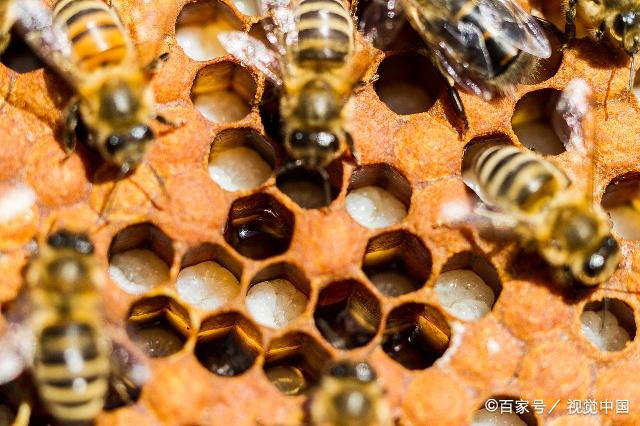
(608, 324)
(278, 295)
(501, 411)
(159, 325)
(19, 57)
(397, 263)
(223, 92)
(532, 122)
(544, 69)
(347, 314)
(139, 258)
(307, 187)
(199, 24)
(621, 200)
(294, 363)
(228, 344)
(378, 196)
(241, 159)
(468, 286)
(259, 226)
(408, 83)
(415, 335)
(209, 277)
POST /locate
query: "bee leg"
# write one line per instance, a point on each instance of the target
(72, 117)
(153, 66)
(548, 26)
(23, 415)
(326, 185)
(458, 106)
(570, 22)
(165, 121)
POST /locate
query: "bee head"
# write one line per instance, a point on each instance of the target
(67, 261)
(126, 149)
(625, 29)
(599, 262)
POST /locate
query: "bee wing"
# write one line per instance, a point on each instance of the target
(510, 21)
(281, 29)
(17, 349)
(381, 21)
(34, 21)
(569, 115)
(252, 51)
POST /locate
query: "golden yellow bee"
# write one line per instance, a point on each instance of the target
(485, 46)
(86, 42)
(616, 21)
(315, 63)
(64, 342)
(350, 395)
(541, 204)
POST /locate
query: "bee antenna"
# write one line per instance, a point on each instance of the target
(159, 179)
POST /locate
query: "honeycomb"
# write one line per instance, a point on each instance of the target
(220, 366)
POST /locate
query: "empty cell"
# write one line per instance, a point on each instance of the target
(138, 270)
(19, 57)
(228, 344)
(347, 314)
(608, 324)
(532, 122)
(415, 336)
(397, 263)
(621, 200)
(407, 83)
(159, 326)
(223, 92)
(309, 188)
(207, 285)
(295, 362)
(464, 294)
(275, 303)
(484, 417)
(198, 26)
(374, 207)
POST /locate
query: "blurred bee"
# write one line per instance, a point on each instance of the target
(350, 395)
(616, 21)
(68, 351)
(315, 63)
(485, 46)
(6, 22)
(86, 42)
(538, 201)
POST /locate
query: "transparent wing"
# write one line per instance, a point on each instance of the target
(569, 115)
(252, 51)
(281, 28)
(510, 21)
(458, 72)
(381, 21)
(17, 348)
(34, 21)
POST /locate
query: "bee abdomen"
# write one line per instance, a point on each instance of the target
(515, 179)
(95, 32)
(325, 33)
(71, 371)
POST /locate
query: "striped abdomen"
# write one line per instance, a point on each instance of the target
(71, 368)
(501, 50)
(97, 36)
(325, 33)
(512, 178)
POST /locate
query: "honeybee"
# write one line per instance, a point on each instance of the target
(70, 356)
(616, 21)
(86, 42)
(316, 65)
(542, 205)
(350, 395)
(485, 46)
(6, 22)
